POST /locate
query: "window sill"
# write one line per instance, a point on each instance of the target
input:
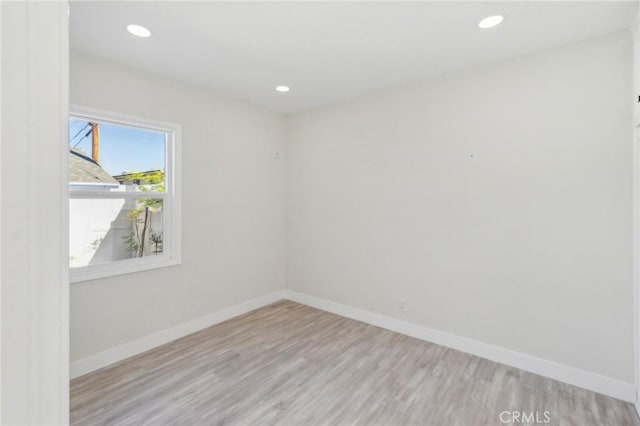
(129, 266)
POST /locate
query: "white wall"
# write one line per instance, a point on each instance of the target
(496, 200)
(97, 229)
(635, 30)
(233, 209)
(34, 334)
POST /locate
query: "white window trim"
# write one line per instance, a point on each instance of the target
(172, 216)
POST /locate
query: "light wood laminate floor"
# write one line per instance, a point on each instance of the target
(289, 364)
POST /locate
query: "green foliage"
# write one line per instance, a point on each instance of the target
(146, 178)
(156, 239)
(140, 216)
(132, 246)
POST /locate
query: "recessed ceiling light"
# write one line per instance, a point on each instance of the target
(282, 88)
(139, 30)
(491, 21)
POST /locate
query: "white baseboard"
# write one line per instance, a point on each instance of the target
(118, 353)
(574, 376)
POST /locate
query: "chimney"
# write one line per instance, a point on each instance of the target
(95, 142)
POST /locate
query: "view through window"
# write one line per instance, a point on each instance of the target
(118, 189)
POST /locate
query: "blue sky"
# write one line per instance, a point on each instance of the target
(122, 148)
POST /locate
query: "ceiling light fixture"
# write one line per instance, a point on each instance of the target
(139, 30)
(282, 89)
(491, 21)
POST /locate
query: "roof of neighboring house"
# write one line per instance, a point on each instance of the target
(82, 169)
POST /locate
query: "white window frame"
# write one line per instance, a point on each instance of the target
(171, 209)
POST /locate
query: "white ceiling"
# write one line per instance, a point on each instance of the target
(327, 51)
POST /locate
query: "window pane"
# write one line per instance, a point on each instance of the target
(106, 230)
(110, 157)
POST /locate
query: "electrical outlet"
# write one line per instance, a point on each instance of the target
(402, 304)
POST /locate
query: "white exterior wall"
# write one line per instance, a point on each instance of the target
(99, 228)
(90, 241)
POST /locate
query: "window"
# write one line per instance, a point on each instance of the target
(124, 199)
